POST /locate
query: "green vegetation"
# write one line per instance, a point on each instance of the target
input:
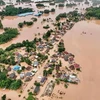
(48, 72)
(74, 16)
(61, 5)
(9, 34)
(3, 97)
(26, 59)
(46, 11)
(7, 11)
(78, 0)
(63, 15)
(47, 34)
(25, 0)
(20, 25)
(2, 2)
(30, 97)
(45, 73)
(57, 81)
(42, 57)
(52, 10)
(61, 47)
(93, 12)
(9, 83)
(58, 1)
(40, 5)
(27, 44)
(65, 85)
(70, 5)
(51, 3)
(46, 27)
(37, 83)
(1, 26)
(34, 19)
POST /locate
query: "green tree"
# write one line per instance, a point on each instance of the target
(16, 84)
(61, 49)
(30, 97)
(1, 26)
(3, 97)
(45, 73)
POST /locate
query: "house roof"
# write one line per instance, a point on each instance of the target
(28, 74)
(12, 75)
(76, 65)
(22, 75)
(43, 79)
(67, 56)
(35, 63)
(27, 79)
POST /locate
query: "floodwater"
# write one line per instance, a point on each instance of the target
(85, 47)
(87, 51)
(29, 32)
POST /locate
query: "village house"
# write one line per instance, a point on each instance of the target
(12, 75)
(43, 80)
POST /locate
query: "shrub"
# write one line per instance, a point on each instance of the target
(52, 10)
(61, 5)
(46, 11)
(40, 5)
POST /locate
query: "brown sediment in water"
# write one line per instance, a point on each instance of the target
(85, 47)
(87, 51)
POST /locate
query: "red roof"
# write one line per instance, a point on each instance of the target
(71, 58)
(65, 52)
(76, 65)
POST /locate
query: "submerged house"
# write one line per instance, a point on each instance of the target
(28, 74)
(66, 56)
(12, 76)
(74, 66)
(43, 80)
(27, 79)
(35, 63)
(73, 79)
(22, 75)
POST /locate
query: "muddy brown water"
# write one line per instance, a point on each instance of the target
(85, 47)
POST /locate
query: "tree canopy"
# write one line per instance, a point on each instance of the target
(7, 11)
(93, 12)
(9, 34)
